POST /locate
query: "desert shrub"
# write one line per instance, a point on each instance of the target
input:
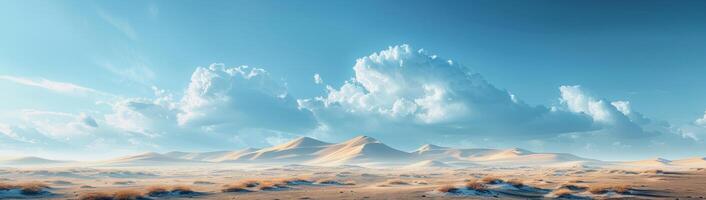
(203, 183)
(491, 180)
(576, 181)
(269, 185)
(127, 195)
(32, 188)
(562, 193)
(397, 182)
(95, 196)
(182, 189)
(571, 187)
(7, 186)
(516, 182)
(447, 189)
(477, 186)
(249, 183)
(653, 171)
(602, 189)
(155, 191)
(237, 187)
(290, 181)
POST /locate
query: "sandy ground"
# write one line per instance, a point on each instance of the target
(365, 183)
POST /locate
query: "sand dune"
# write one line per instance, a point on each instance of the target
(691, 162)
(364, 150)
(30, 160)
(150, 158)
(428, 164)
(361, 149)
(656, 162)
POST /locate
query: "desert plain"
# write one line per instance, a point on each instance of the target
(360, 168)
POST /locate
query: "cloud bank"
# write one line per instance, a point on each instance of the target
(401, 95)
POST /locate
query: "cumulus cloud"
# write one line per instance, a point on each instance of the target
(701, 121)
(240, 97)
(396, 93)
(403, 91)
(317, 79)
(58, 124)
(141, 116)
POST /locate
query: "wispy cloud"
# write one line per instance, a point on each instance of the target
(61, 87)
(120, 24)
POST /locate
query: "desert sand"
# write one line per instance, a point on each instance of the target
(360, 168)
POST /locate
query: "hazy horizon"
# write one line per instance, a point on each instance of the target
(99, 79)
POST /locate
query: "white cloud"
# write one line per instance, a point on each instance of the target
(701, 121)
(122, 25)
(240, 97)
(136, 71)
(400, 91)
(61, 87)
(60, 125)
(141, 116)
(317, 79)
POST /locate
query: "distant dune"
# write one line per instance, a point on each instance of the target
(366, 151)
(30, 160)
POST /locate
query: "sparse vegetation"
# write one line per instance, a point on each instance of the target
(182, 190)
(516, 182)
(6, 186)
(653, 171)
(95, 196)
(571, 187)
(269, 185)
(602, 189)
(562, 193)
(447, 189)
(237, 187)
(491, 180)
(292, 181)
(32, 188)
(477, 186)
(397, 182)
(155, 191)
(203, 183)
(334, 182)
(127, 195)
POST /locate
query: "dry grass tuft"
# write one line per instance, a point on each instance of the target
(447, 189)
(653, 171)
(477, 186)
(562, 192)
(157, 190)
(491, 180)
(571, 187)
(237, 187)
(397, 182)
(127, 195)
(576, 181)
(32, 188)
(95, 196)
(602, 189)
(7, 186)
(249, 183)
(516, 182)
(203, 183)
(269, 185)
(182, 189)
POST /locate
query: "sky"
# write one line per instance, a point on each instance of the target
(614, 80)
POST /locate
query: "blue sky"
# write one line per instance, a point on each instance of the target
(67, 63)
